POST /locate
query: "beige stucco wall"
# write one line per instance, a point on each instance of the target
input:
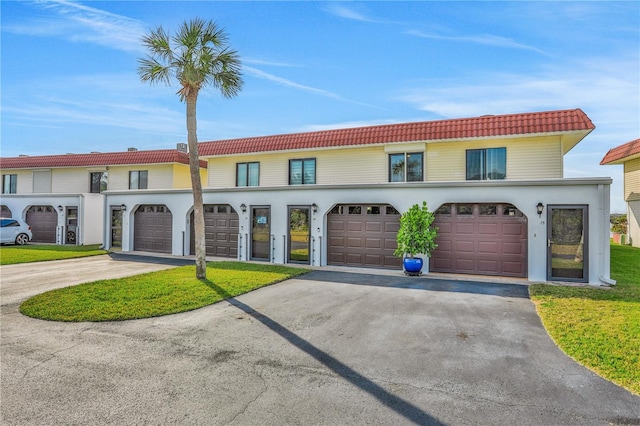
(76, 180)
(336, 166)
(24, 184)
(159, 176)
(182, 176)
(527, 158)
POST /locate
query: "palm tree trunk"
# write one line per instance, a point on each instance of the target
(196, 185)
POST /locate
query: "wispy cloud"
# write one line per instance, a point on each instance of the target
(607, 90)
(591, 85)
(114, 100)
(292, 84)
(347, 13)
(58, 112)
(256, 61)
(342, 11)
(346, 125)
(484, 39)
(80, 23)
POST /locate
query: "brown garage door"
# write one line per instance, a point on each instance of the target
(43, 221)
(363, 235)
(152, 229)
(221, 227)
(5, 211)
(486, 239)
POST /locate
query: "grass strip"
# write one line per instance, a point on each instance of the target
(154, 294)
(599, 328)
(10, 255)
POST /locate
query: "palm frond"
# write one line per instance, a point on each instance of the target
(197, 55)
(152, 71)
(158, 44)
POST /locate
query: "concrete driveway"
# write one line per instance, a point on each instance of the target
(19, 282)
(328, 348)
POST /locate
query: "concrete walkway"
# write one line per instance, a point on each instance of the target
(328, 348)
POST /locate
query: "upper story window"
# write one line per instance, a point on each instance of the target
(487, 164)
(9, 184)
(248, 174)
(302, 172)
(138, 179)
(406, 167)
(97, 182)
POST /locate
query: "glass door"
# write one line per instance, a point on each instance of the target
(299, 235)
(260, 233)
(71, 236)
(567, 242)
(116, 228)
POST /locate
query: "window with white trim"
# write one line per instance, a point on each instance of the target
(9, 184)
(302, 171)
(138, 179)
(248, 174)
(406, 167)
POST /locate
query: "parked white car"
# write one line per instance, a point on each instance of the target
(14, 230)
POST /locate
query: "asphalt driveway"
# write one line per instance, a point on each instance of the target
(327, 348)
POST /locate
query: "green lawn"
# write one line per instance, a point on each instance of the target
(10, 255)
(599, 328)
(154, 294)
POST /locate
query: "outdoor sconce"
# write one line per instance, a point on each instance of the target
(123, 207)
(314, 208)
(540, 208)
(60, 208)
(243, 207)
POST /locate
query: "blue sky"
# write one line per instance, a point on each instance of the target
(69, 81)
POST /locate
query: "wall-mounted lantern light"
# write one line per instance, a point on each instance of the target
(539, 209)
(243, 207)
(123, 207)
(314, 208)
(60, 208)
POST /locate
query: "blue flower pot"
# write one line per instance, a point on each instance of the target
(412, 266)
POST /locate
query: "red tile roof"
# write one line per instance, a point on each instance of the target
(621, 152)
(465, 128)
(98, 159)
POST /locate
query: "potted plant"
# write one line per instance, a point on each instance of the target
(416, 235)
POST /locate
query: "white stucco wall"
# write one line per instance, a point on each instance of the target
(90, 212)
(90, 219)
(525, 195)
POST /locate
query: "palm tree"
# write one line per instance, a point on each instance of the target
(198, 55)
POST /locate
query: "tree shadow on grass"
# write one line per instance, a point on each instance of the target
(397, 404)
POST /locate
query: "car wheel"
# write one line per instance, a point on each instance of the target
(22, 239)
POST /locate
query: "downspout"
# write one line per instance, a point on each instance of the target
(80, 214)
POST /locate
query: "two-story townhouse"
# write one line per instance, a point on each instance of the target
(628, 154)
(62, 196)
(334, 197)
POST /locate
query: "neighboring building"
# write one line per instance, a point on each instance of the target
(61, 196)
(334, 197)
(628, 155)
